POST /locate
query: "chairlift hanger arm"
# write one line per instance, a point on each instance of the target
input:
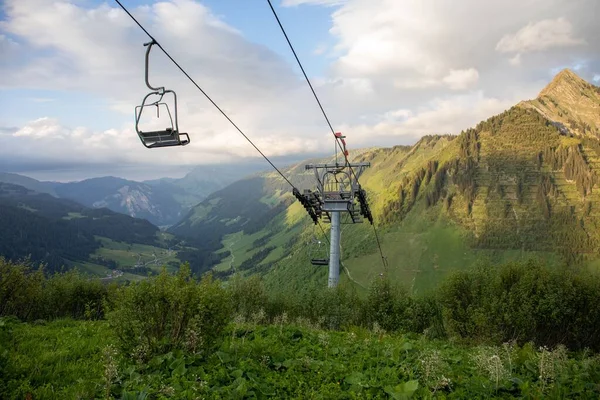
(159, 90)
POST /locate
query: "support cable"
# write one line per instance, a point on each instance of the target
(308, 81)
(324, 234)
(383, 260)
(203, 92)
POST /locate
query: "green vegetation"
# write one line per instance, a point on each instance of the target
(127, 255)
(68, 359)
(519, 185)
(517, 332)
(30, 295)
(169, 312)
(60, 233)
(459, 216)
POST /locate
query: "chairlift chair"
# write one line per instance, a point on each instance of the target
(170, 136)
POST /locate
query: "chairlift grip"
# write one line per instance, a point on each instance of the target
(160, 90)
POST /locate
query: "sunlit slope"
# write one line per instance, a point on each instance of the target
(517, 185)
(570, 101)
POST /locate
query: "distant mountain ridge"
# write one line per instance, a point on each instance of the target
(29, 183)
(127, 197)
(163, 201)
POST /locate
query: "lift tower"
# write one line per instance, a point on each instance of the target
(338, 193)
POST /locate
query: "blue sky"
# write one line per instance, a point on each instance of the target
(387, 72)
(253, 19)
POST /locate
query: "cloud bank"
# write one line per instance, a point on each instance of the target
(397, 70)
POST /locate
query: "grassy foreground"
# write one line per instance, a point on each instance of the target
(67, 359)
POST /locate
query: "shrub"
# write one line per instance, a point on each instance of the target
(28, 295)
(248, 295)
(524, 302)
(388, 305)
(330, 308)
(335, 308)
(72, 295)
(20, 290)
(169, 312)
(425, 316)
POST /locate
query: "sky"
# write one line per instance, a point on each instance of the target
(387, 72)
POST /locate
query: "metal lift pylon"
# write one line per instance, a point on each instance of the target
(338, 192)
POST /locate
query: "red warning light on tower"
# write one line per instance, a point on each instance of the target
(340, 137)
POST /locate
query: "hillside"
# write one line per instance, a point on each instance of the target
(60, 232)
(520, 184)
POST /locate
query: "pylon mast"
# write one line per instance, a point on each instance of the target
(338, 192)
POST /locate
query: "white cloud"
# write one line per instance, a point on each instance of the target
(292, 3)
(516, 60)
(440, 116)
(395, 115)
(459, 79)
(47, 140)
(540, 36)
(41, 128)
(396, 68)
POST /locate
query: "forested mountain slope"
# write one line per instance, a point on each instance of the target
(521, 184)
(58, 232)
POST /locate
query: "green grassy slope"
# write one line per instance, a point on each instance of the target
(519, 185)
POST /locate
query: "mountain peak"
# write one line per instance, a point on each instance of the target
(566, 80)
(571, 102)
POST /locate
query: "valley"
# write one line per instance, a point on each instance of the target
(520, 185)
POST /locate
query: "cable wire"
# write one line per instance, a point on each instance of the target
(307, 80)
(383, 260)
(203, 92)
(324, 234)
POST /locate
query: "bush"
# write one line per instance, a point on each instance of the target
(73, 295)
(20, 290)
(329, 308)
(168, 312)
(524, 302)
(425, 316)
(28, 295)
(248, 295)
(387, 305)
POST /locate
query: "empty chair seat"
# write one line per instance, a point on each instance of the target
(165, 138)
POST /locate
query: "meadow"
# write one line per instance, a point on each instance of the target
(519, 330)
